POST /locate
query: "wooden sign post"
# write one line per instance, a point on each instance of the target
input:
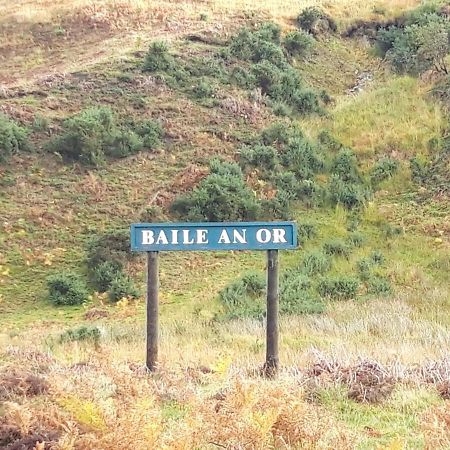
(269, 236)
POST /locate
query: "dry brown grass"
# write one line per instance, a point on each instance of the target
(62, 36)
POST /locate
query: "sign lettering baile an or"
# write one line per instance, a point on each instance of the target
(213, 236)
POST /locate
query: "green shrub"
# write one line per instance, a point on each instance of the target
(302, 158)
(267, 51)
(91, 135)
(157, 57)
(269, 32)
(345, 166)
(203, 90)
(298, 43)
(122, 287)
(314, 20)
(328, 141)
(242, 78)
(383, 169)
(338, 287)
(306, 231)
(307, 101)
(337, 247)
(278, 133)
(287, 181)
(297, 295)
(81, 334)
(122, 143)
(104, 274)
(13, 138)
(66, 289)
(220, 167)
(280, 205)
(259, 156)
(151, 133)
(308, 18)
(268, 77)
(111, 246)
(356, 239)
(218, 198)
(350, 195)
(281, 109)
(242, 45)
(364, 267)
(378, 285)
(422, 43)
(316, 262)
(377, 257)
(244, 297)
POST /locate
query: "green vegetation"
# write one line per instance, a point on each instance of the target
(81, 334)
(340, 288)
(221, 196)
(66, 289)
(363, 173)
(93, 134)
(13, 138)
(420, 43)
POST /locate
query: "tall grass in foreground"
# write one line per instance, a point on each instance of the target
(342, 373)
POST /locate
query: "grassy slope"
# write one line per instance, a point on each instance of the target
(51, 209)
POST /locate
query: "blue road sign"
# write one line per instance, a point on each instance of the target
(159, 237)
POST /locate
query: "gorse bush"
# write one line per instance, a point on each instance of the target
(383, 169)
(433, 172)
(151, 133)
(111, 246)
(259, 156)
(297, 295)
(122, 287)
(298, 43)
(378, 285)
(316, 21)
(278, 133)
(93, 134)
(244, 297)
(13, 138)
(81, 334)
(338, 287)
(350, 195)
(158, 57)
(270, 69)
(316, 262)
(104, 274)
(302, 158)
(106, 256)
(203, 89)
(66, 289)
(337, 247)
(345, 166)
(219, 197)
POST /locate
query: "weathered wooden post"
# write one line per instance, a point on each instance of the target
(152, 311)
(272, 358)
(268, 236)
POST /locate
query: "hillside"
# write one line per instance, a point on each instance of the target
(122, 112)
